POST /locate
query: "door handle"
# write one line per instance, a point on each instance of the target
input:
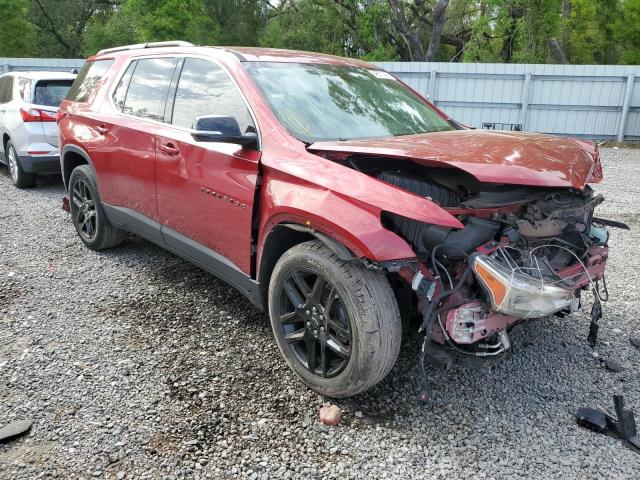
(169, 149)
(101, 129)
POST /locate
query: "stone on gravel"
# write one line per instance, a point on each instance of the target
(612, 365)
(330, 415)
(635, 341)
(14, 429)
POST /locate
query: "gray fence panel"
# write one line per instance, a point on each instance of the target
(600, 102)
(53, 64)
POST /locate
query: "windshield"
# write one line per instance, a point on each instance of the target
(328, 102)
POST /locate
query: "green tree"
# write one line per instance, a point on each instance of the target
(110, 29)
(238, 22)
(158, 20)
(586, 37)
(17, 34)
(61, 24)
(627, 32)
(313, 25)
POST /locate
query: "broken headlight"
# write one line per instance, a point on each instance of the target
(515, 293)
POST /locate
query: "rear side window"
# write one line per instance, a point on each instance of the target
(51, 92)
(6, 89)
(149, 87)
(121, 90)
(205, 89)
(88, 79)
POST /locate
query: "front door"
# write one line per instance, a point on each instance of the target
(206, 189)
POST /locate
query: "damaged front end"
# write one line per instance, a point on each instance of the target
(524, 253)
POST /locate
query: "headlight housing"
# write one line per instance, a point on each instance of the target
(518, 294)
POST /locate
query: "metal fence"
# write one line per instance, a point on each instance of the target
(600, 102)
(48, 64)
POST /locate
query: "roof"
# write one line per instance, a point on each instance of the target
(43, 75)
(243, 54)
(257, 54)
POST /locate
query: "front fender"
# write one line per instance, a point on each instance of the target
(354, 224)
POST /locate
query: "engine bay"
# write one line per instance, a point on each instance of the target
(524, 252)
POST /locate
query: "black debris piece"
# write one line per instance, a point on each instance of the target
(635, 341)
(622, 427)
(596, 314)
(592, 419)
(611, 223)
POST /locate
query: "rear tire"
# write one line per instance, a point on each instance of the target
(337, 324)
(87, 213)
(19, 177)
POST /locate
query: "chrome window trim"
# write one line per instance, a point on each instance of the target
(184, 56)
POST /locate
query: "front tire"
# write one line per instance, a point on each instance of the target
(337, 324)
(19, 177)
(87, 213)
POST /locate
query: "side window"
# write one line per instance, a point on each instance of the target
(149, 88)
(120, 93)
(4, 83)
(24, 86)
(206, 89)
(88, 79)
(6, 89)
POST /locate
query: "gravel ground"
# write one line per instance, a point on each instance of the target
(133, 363)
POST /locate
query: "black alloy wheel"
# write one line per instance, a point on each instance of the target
(84, 210)
(315, 322)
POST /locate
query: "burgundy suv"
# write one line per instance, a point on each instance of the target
(335, 197)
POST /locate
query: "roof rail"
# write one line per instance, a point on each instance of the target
(173, 43)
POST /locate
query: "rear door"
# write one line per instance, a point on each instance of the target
(125, 143)
(206, 189)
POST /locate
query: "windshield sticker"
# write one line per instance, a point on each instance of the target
(294, 122)
(382, 75)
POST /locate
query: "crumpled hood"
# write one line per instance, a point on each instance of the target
(496, 157)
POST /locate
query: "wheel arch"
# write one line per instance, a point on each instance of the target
(5, 140)
(284, 236)
(71, 157)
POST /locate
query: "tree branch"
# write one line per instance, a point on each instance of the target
(413, 37)
(557, 53)
(52, 27)
(439, 18)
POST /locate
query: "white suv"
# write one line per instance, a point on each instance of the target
(28, 106)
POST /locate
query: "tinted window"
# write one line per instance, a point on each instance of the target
(206, 89)
(24, 86)
(6, 89)
(121, 90)
(149, 87)
(51, 92)
(88, 79)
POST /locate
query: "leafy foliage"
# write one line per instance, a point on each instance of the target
(532, 31)
(626, 31)
(17, 34)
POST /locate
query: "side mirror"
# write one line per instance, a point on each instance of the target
(214, 128)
